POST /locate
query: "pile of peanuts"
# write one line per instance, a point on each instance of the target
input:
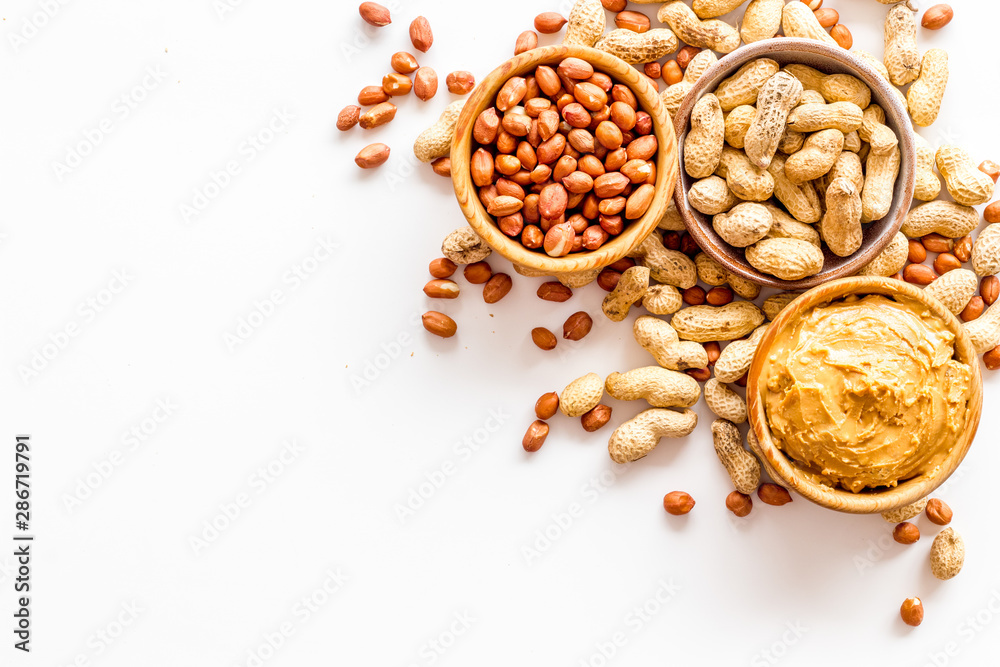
(564, 159)
(814, 142)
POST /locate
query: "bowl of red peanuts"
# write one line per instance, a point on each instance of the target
(564, 159)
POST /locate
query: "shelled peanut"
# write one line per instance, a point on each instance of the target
(564, 159)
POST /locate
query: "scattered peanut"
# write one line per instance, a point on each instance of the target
(906, 533)
(989, 289)
(772, 494)
(842, 35)
(942, 217)
(637, 437)
(711, 34)
(581, 395)
(925, 94)
(596, 418)
(348, 117)
(927, 185)
(678, 503)
(954, 289)
(906, 512)
(736, 358)
(634, 47)
(577, 326)
(984, 332)
(631, 288)
(947, 554)
(912, 611)
(670, 267)
(660, 339)
(797, 20)
(420, 34)
(725, 402)
(761, 20)
(902, 59)
(938, 512)
(497, 287)
(739, 504)
(535, 436)
(439, 324)
(660, 387)
(709, 323)
(890, 260)
(371, 156)
(375, 14)
(435, 141)
(442, 289)
(777, 303)
(964, 181)
(662, 299)
(937, 17)
(465, 246)
(587, 21)
(547, 405)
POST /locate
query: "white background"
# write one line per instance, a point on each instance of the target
(792, 585)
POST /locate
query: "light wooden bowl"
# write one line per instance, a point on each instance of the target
(784, 470)
(830, 60)
(637, 230)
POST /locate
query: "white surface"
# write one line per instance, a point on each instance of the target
(732, 588)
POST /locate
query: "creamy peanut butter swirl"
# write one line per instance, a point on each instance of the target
(865, 392)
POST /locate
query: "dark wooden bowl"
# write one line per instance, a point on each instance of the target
(637, 230)
(783, 469)
(830, 60)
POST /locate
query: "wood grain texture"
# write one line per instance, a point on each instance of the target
(616, 248)
(783, 470)
(830, 60)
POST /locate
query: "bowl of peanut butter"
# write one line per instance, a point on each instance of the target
(864, 395)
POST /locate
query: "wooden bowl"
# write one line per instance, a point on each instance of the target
(784, 470)
(637, 230)
(831, 60)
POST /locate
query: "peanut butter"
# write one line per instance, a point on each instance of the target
(865, 392)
